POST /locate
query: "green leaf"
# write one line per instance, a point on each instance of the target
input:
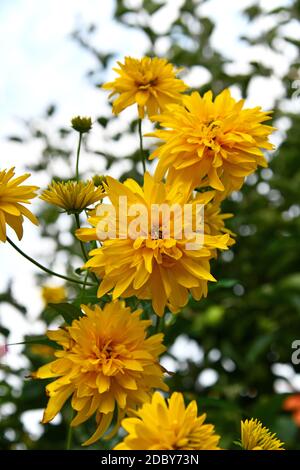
(253, 12)
(238, 444)
(50, 110)
(218, 403)
(285, 428)
(152, 7)
(69, 312)
(38, 339)
(89, 296)
(16, 138)
(121, 9)
(4, 331)
(259, 347)
(103, 121)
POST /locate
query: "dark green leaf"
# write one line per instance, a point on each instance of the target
(69, 312)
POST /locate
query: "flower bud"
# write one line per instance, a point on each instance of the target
(81, 124)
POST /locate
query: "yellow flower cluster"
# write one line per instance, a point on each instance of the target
(207, 144)
(106, 363)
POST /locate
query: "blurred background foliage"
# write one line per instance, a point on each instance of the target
(245, 328)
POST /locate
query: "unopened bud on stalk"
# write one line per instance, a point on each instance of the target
(81, 124)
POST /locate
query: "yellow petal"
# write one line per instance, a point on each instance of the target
(2, 227)
(56, 402)
(10, 208)
(214, 179)
(103, 426)
(196, 269)
(142, 97)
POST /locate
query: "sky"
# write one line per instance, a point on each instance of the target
(40, 64)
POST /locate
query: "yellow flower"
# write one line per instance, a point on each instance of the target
(256, 437)
(73, 196)
(53, 295)
(211, 143)
(151, 83)
(106, 364)
(12, 198)
(162, 426)
(214, 218)
(149, 265)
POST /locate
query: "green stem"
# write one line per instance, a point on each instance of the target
(84, 253)
(69, 438)
(160, 323)
(142, 152)
(78, 155)
(37, 340)
(43, 268)
(84, 285)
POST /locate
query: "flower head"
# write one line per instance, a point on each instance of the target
(254, 436)
(106, 363)
(12, 197)
(81, 124)
(211, 143)
(168, 426)
(53, 295)
(150, 83)
(73, 196)
(147, 264)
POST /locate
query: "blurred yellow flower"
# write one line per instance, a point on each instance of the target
(150, 266)
(54, 295)
(42, 350)
(168, 426)
(12, 197)
(254, 436)
(211, 143)
(73, 196)
(150, 83)
(106, 364)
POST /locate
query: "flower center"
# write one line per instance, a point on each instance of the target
(108, 357)
(144, 83)
(207, 135)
